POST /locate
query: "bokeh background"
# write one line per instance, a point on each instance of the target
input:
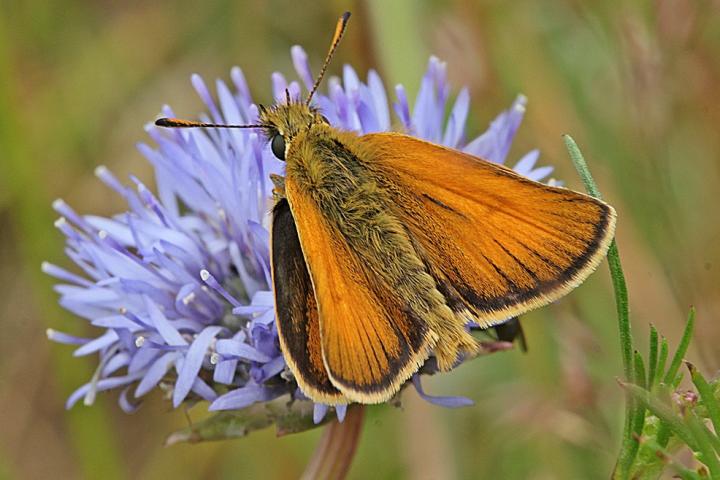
(636, 83)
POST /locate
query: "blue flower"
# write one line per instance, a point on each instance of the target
(178, 286)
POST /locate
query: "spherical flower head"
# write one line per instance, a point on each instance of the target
(178, 286)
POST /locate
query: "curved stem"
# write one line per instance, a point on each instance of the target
(336, 450)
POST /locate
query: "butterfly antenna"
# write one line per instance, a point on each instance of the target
(180, 123)
(339, 31)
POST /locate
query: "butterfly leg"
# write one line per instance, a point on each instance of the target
(279, 183)
(511, 331)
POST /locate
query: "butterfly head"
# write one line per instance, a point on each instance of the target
(282, 122)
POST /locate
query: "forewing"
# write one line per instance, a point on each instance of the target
(296, 310)
(497, 243)
(371, 343)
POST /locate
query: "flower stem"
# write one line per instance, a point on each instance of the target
(336, 450)
(633, 413)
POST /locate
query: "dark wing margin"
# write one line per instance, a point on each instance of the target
(497, 244)
(296, 310)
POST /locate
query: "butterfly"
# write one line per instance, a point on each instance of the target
(385, 248)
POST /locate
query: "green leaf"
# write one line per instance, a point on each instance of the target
(663, 412)
(671, 375)
(653, 471)
(707, 396)
(630, 445)
(652, 357)
(664, 349)
(639, 371)
(638, 412)
(704, 443)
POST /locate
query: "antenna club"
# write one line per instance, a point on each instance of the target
(171, 122)
(337, 36)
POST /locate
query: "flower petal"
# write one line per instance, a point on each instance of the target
(447, 402)
(193, 361)
(155, 373)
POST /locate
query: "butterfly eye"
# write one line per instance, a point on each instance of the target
(277, 145)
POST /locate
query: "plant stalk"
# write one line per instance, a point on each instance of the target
(334, 454)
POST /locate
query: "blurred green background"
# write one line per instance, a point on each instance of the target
(636, 84)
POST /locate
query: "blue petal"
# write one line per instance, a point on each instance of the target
(163, 325)
(101, 385)
(116, 362)
(125, 404)
(193, 361)
(319, 412)
(203, 390)
(115, 321)
(97, 344)
(294, 89)
(230, 108)
(225, 371)
(540, 173)
(62, 274)
(456, 123)
(141, 359)
(245, 396)
(340, 411)
(448, 402)
(302, 66)
(527, 162)
(261, 373)
(495, 143)
(402, 108)
(241, 85)
(232, 348)
(377, 89)
(65, 338)
(206, 96)
(249, 309)
(350, 78)
(279, 84)
(155, 373)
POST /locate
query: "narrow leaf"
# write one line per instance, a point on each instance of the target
(639, 370)
(707, 395)
(629, 445)
(671, 375)
(662, 360)
(704, 444)
(663, 412)
(652, 357)
(666, 459)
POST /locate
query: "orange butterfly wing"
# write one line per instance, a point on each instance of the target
(296, 310)
(371, 343)
(497, 243)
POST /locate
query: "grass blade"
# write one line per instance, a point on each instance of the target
(639, 371)
(652, 357)
(680, 470)
(706, 395)
(671, 375)
(662, 360)
(704, 444)
(629, 446)
(663, 412)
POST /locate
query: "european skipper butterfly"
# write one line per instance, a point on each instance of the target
(386, 247)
